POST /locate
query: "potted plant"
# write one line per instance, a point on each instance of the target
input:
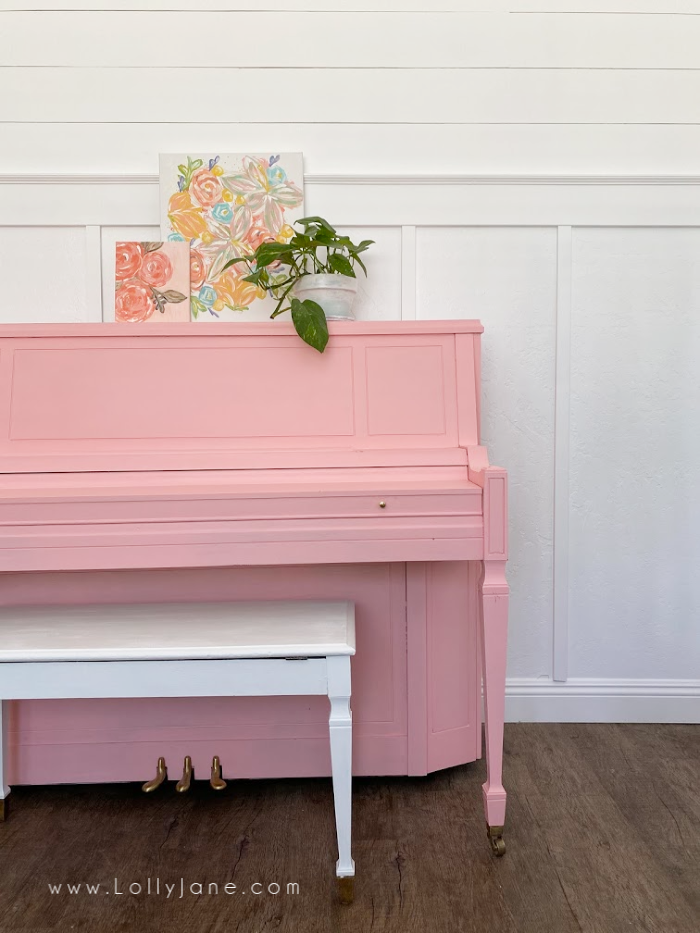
(312, 275)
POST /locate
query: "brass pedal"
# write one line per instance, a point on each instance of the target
(161, 775)
(183, 785)
(216, 781)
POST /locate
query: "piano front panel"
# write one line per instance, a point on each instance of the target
(119, 740)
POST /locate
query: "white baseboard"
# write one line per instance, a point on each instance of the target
(601, 700)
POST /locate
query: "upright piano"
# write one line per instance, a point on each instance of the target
(169, 462)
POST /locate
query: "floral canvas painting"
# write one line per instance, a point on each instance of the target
(225, 206)
(152, 282)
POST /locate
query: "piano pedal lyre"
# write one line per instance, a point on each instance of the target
(216, 781)
(161, 775)
(183, 785)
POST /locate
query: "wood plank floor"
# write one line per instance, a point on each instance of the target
(603, 836)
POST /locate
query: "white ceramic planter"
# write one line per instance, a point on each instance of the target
(335, 294)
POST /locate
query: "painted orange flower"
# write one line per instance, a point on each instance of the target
(235, 293)
(156, 269)
(198, 269)
(129, 259)
(186, 217)
(134, 302)
(205, 187)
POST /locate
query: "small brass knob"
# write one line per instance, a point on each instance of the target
(382, 504)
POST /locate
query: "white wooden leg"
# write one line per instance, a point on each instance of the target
(340, 727)
(4, 788)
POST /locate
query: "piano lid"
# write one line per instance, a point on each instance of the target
(92, 398)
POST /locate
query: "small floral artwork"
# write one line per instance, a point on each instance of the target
(225, 206)
(152, 282)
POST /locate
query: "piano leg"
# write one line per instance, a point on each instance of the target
(494, 629)
(340, 727)
(4, 789)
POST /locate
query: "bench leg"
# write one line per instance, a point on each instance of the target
(494, 630)
(340, 727)
(4, 789)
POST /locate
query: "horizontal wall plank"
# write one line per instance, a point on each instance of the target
(334, 148)
(342, 39)
(382, 203)
(77, 95)
(398, 6)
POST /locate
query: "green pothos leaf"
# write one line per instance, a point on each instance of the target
(341, 264)
(310, 323)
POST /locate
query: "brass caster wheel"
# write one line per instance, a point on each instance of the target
(498, 846)
(4, 809)
(161, 775)
(346, 890)
(216, 781)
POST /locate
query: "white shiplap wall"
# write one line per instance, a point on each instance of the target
(463, 137)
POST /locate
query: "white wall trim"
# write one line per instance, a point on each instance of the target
(603, 700)
(408, 273)
(562, 441)
(348, 179)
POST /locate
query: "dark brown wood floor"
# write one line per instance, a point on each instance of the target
(603, 836)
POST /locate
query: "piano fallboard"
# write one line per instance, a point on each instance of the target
(93, 521)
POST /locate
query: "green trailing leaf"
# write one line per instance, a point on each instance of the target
(360, 264)
(232, 262)
(341, 264)
(310, 323)
(319, 221)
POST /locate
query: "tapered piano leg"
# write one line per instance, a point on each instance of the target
(4, 789)
(494, 630)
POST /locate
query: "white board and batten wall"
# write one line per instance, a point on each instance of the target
(533, 163)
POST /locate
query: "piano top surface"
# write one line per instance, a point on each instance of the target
(222, 329)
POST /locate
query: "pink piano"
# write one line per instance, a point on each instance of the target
(161, 463)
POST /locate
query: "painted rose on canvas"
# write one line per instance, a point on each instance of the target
(225, 206)
(152, 282)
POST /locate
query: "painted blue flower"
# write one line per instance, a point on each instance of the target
(276, 175)
(207, 295)
(222, 212)
(175, 237)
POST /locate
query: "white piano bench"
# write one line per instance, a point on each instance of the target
(280, 648)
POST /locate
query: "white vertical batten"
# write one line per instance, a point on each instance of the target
(408, 273)
(562, 396)
(93, 272)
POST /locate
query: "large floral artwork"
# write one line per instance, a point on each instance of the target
(152, 282)
(225, 206)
